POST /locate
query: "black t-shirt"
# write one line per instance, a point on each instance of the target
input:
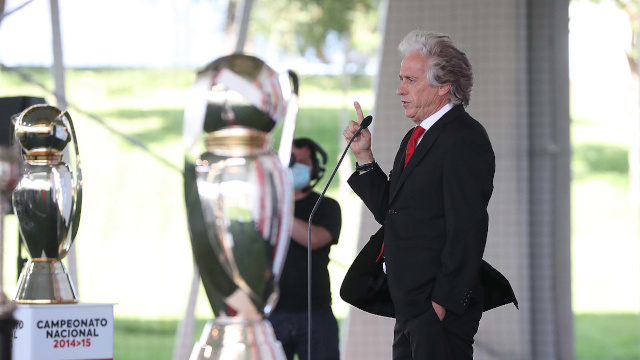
(293, 281)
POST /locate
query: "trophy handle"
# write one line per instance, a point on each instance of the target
(286, 140)
(215, 279)
(194, 116)
(77, 174)
(294, 81)
(281, 246)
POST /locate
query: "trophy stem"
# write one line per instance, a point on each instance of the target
(237, 338)
(45, 281)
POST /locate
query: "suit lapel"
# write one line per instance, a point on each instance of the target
(399, 161)
(421, 150)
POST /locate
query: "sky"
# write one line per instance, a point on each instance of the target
(120, 33)
(188, 33)
(150, 33)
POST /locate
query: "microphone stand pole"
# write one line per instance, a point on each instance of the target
(313, 212)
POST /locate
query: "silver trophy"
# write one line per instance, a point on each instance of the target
(239, 198)
(47, 203)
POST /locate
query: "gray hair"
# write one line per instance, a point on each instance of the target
(449, 65)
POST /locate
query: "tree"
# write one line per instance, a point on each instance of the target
(295, 27)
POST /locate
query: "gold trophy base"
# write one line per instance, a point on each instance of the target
(236, 338)
(45, 281)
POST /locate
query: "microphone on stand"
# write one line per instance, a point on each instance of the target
(363, 125)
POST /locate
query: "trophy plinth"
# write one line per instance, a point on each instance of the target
(238, 339)
(47, 203)
(45, 281)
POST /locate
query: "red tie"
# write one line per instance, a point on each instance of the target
(411, 147)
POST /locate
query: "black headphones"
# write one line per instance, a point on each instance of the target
(318, 158)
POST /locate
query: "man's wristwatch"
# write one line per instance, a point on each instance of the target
(365, 167)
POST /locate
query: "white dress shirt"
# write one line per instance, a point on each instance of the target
(428, 122)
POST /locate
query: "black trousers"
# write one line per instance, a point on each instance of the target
(427, 338)
(292, 328)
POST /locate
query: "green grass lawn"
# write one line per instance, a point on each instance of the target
(607, 335)
(605, 241)
(146, 339)
(133, 245)
(154, 339)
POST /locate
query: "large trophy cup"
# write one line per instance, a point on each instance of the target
(239, 199)
(47, 204)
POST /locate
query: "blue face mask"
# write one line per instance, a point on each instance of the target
(301, 177)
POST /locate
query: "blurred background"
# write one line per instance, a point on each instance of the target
(129, 64)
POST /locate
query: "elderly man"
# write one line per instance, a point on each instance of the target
(433, 208)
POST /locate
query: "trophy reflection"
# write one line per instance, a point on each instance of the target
(47, 203)
(239, 199)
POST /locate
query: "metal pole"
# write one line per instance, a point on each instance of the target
(11, 169)
(637, 157)
(242, 20)
(183, 344)
(7, 321)
(1, 10)
(61, 102)
(58, 64)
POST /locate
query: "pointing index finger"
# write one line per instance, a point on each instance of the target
(358, 111)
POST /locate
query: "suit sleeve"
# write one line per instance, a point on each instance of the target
(373, 188)
(469, 167)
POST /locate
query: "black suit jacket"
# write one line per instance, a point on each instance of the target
(435, 220)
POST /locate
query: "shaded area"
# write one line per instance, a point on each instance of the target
(156, 127)
(149, 126)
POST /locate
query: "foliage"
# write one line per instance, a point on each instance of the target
(304, 25)
(590, 159)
